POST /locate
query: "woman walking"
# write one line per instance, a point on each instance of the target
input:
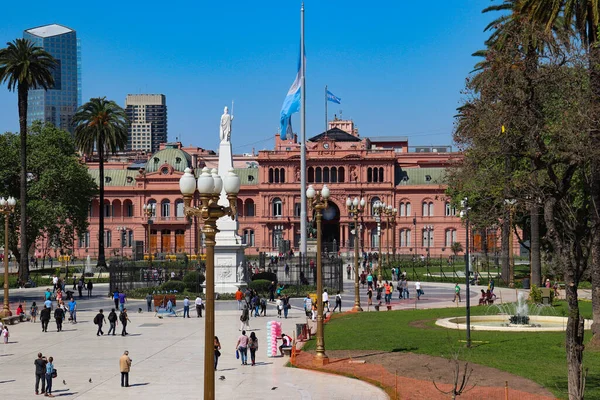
(34, 312)
(245, 318)
(5, 334)
(242, 347)
(217, 352)
(253, 346)
(49, 376)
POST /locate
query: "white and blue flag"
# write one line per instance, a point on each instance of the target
(333, 98)
(291, 104)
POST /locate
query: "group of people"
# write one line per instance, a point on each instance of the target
(100, 320)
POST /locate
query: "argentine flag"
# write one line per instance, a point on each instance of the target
(291, 103)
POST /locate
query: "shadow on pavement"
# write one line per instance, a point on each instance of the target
(140, 384)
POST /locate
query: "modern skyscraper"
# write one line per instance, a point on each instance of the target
(57, 105)
(147, 115)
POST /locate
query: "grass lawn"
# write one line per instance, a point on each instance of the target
(536, 356)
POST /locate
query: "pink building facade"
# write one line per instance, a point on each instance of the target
(376, 168)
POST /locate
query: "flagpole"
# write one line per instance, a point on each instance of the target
(303, 244)
(325, 108)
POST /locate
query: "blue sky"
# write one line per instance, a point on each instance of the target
(398, 66)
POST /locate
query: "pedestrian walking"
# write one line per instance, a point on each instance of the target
(45, 318)
(115, 298)
(54, 283)
(456, 293)
(286, 305)
(122, 300)
(50, 374)
(73, 310)
(80, 287)
(217, 351)
(338, 301)
(199, 306)
(242, 347)
(125, 367)
(279, 305)
(272, 291)
(59, 317)
(405, 293)
(239, 296)
(245, 318)
(112, 320)
(253, 346)
(89, 287)
(263, 307)
(186, 307)
(418, 289)
(349, 271)
(99, 319)
(5, 334)
(124, 320)
(34, 312)
(149, 299)
(40, 373)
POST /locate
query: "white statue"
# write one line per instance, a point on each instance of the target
(241, 274)
(225, 130)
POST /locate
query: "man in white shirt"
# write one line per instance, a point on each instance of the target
(55, 282)
(199, 306)
(418, 289)
(308, 305)
(186, 307)
(325, 300)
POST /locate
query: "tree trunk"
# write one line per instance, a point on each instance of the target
(101, 257)
(505, 249)
(574, 340)
(534, 248)
(595, 188)
(24, 259)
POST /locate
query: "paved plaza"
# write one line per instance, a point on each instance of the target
(168, 353)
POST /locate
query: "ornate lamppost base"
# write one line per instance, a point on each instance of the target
(5, 313)
(357, 309)
(320, 360)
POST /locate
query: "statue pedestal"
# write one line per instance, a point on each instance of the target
(229, 250)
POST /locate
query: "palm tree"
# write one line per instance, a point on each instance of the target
(24, 66)
(100, 125)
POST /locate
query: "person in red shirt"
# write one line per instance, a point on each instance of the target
(388, 292)
(20, 309)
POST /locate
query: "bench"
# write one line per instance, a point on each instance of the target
(11, 320)
(287, 351)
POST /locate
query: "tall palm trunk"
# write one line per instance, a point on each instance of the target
(24, 261)
(595, 189)
(101, 257)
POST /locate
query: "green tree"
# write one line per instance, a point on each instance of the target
(584, 16)
(100, 125)
(60, 188)
(456, 248)
(24, 66)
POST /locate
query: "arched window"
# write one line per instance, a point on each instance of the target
(277, 207)
(381, 174)
(165, 208)
(108, 209)
(431, 209)
(373, 201)
(249, 208)
(408, 210)
(369, 174)
(374, 238)
(311, 175)
(341, 174)
(404, 237)
(248, 237)
(334, 175)
(318, 175)
(450, 210)
(179, 209)
(270, 175)
(326, 175)
(405, 209)
(282, 175)
(425, 209)
(450, 237)
(128, 208)
(427, 238)
(276, 175)
(107, 239)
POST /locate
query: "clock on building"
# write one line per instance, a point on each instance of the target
(325, 145)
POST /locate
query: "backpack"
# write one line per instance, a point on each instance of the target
(122, 317)
(97, 319)
(112, 317)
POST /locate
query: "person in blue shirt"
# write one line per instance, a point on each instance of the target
(73, 311)
(49, 369)
(48, 294)
(116, 298)
(48, 303)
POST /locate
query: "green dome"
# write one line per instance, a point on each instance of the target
(176, 158)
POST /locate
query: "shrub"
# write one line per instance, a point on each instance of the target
(535, 295)
(173, 285)
(260, 285)
(191, 280)
(267, 276)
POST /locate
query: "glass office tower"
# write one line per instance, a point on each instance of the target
(58, 104)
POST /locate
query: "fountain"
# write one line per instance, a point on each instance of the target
(512, 317)
(88, 266)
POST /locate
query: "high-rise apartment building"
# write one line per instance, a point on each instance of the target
(58, 104)
(147, 115)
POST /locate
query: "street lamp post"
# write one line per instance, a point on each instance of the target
(511, 265)
(377, 210)
(123, 236)
(428, 229)
(209, 185)
(355, 208)
(390, 214)
(464, 214)
(318, 202)
(149, 212)
(7, 206)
